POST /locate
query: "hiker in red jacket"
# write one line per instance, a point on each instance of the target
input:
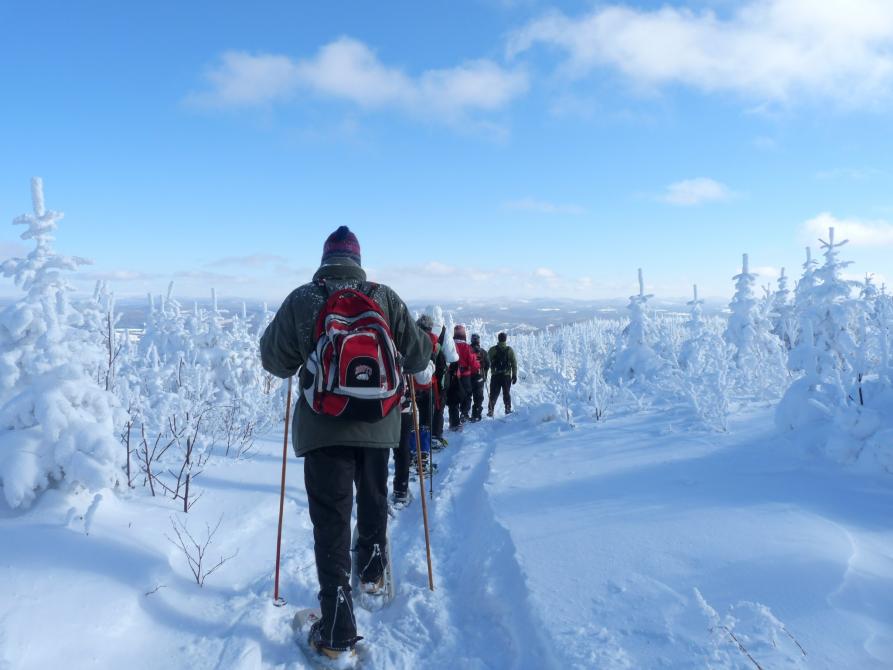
(480, 379)
(461, 373)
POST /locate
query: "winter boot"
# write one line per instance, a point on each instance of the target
(372, 575)
(340, 650)
(400, 499)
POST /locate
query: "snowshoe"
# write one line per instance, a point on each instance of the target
(438, 443)
(306, 625)
(380, 592)
(414, 472)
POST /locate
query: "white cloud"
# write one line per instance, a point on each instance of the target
(348, 70)
(766, 272)
(251, 261)
(696, 192)
(767, 50)
(543, 207)
(202, 275)
(858, 232)
(119, 276)
(439, 269)
(545, 273)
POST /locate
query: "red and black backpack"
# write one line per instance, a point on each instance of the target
(353, 372)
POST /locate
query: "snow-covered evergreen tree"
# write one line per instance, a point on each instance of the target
(782, 315)
(826, 340)
(56, 424)
(843, 403)
(756, 353)
(634, 357)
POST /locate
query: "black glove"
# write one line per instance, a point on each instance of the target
(514, 380)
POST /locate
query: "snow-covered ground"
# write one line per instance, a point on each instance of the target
(639, 542)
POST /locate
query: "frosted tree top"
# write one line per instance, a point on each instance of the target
(41, 268)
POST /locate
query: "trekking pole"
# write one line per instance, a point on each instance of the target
(418, 452)
(277, 601)
(431, 438)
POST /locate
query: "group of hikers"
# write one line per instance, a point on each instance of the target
(370, 375)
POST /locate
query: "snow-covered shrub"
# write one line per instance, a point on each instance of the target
(56, 424)
(704, 362)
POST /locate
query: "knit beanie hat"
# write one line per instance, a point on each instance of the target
(425, 322)
(342, 243)
(459, 332)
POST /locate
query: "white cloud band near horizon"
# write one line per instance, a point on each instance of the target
(859, 232)
(348, 70)
(773, 51)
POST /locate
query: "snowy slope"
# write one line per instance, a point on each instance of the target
(554, 547)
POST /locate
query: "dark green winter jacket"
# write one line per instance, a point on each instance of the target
(502, 360)
(288, 341)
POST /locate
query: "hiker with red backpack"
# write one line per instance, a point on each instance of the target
(480, 379)
(460, 373)
(352, 341)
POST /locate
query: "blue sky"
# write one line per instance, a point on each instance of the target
(476, 148)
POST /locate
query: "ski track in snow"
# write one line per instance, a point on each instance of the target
(553, 547)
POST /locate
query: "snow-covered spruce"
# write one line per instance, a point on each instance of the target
(782, 314)
(634, 359)
(843, 402)
(757, 353)
(57, 426)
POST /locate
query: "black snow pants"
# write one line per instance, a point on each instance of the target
(477, 394)
(500, 383)
(458, 399)
(330, 474)
(403, 456)
(465, 406)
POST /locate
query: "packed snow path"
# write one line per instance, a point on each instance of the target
(636, 543)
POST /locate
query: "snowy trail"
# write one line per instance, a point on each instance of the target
(554, 547)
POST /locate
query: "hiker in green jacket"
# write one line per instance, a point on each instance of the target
(504, 373)
(341, 452)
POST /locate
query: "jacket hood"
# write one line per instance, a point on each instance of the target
(340, 270)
